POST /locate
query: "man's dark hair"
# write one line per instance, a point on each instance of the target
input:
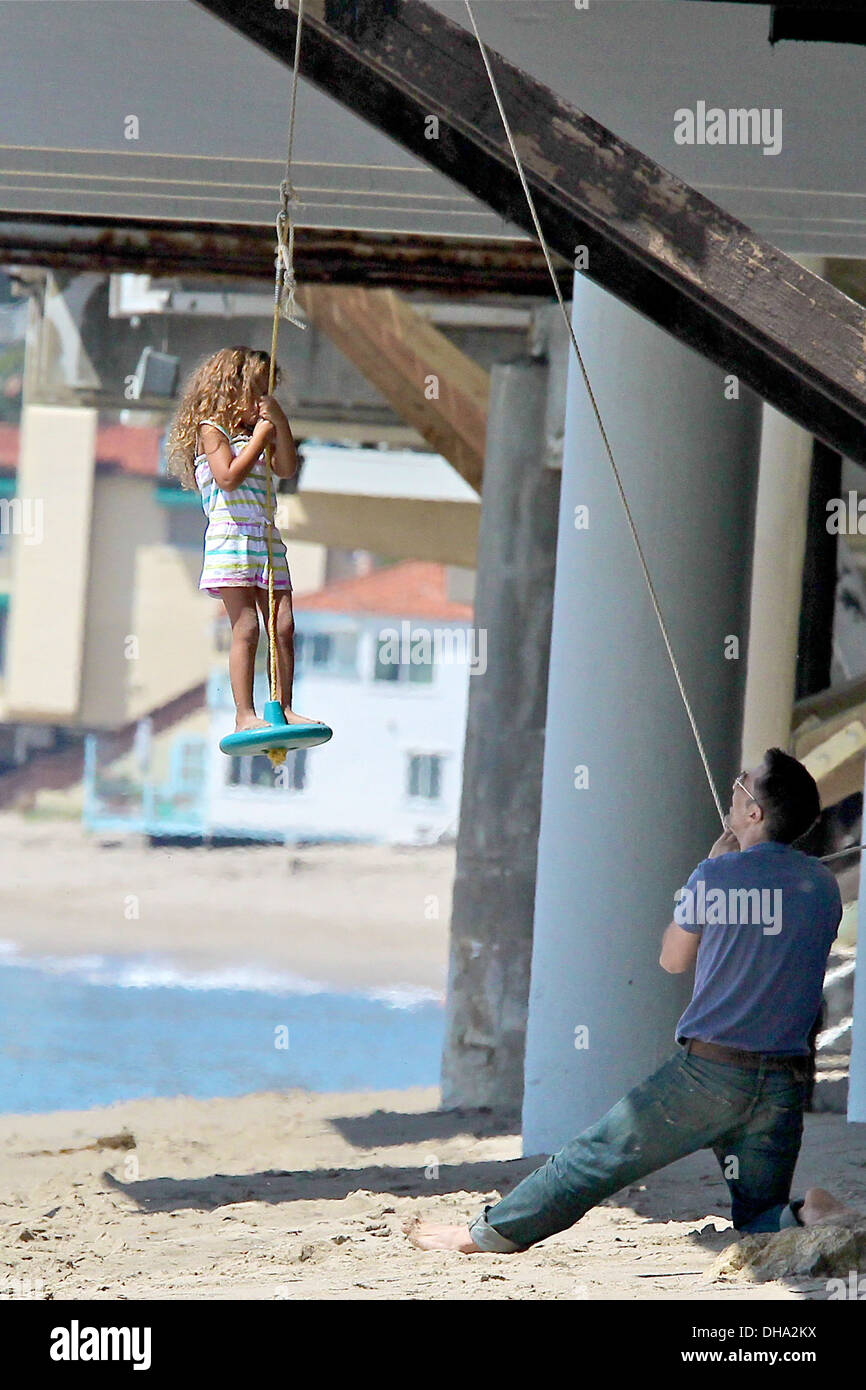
(788, 795)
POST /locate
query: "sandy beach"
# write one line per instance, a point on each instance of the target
(298, 1196)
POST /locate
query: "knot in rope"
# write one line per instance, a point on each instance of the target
(287, 306)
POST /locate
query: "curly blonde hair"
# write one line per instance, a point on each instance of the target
(222, 388)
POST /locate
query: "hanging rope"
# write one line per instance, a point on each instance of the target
(284, 306)
(616, 474)
(289, 198)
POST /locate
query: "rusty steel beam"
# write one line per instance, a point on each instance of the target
(652, 240)
(446, 265)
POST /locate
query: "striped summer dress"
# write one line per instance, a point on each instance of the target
(235, 542)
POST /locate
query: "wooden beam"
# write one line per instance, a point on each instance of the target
(651, 239)
(451, 266)
(815, 732)
(428, 381)
(837, 763)
(829, 737)
(828, 704)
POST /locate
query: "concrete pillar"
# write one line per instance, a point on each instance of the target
(777, 577)
(613, 852)
(494, 889)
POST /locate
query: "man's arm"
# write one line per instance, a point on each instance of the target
(679, 949)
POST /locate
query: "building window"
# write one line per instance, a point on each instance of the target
(425, 775)
(260, 772)
(389, 666)
(326, 653)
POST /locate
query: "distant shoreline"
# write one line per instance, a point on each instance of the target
(348, 918)
(153, 971)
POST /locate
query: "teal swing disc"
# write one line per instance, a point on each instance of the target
(277, 737)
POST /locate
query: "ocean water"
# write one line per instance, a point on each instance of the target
(89, 1030)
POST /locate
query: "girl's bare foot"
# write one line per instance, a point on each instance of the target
(292, 718)
(249, 721)
(820, 1206)
(429, 1235)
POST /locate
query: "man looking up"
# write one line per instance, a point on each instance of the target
(757, 918)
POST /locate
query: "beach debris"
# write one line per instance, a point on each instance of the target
(28, 1233)
(831, 1249)
(123, 1140)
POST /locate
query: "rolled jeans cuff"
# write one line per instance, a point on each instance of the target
(486, 1237)
(790, 1215)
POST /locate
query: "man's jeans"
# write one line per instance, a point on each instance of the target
(752, 1119)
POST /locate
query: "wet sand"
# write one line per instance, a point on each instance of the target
(351, 916)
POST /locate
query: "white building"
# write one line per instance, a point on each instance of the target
(385, 660)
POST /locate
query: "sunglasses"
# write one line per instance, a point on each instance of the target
(738, 782)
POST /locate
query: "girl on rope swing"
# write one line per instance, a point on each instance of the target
(224, 405)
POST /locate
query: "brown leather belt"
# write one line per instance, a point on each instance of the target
(735, 1056)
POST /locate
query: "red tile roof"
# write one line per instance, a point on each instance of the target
(131, 448)
(410, 589)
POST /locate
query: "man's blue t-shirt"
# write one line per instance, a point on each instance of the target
(767, 916)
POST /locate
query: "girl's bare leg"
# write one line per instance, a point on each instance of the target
(285, 651)
(240, 605)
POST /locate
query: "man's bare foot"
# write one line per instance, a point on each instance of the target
(292, 718)
(249, 721)
(429, 1235)
(820, 1206)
